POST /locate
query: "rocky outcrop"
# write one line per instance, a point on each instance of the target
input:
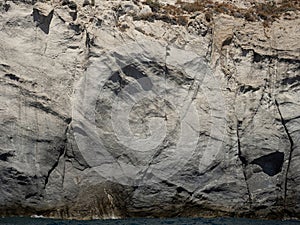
(132, 108)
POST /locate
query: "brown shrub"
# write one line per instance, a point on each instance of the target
(266, 12)
(182, 20)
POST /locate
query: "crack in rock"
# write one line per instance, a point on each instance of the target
(244, 162)
(283, 121)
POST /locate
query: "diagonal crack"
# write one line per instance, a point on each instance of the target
(62, 151)
(283, 121)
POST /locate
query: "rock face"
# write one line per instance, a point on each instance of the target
(129, 108)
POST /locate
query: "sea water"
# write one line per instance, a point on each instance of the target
(176, 221)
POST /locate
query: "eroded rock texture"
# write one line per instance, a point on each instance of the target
(117, 110)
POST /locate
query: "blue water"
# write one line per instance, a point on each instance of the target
(177, 221)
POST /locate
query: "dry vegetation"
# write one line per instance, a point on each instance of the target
(266, 12)
(167, 13)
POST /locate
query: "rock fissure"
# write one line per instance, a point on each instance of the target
(49, 110)
(25, 91)
(244, 163)
(50, 50)
(289, 155)
(72, 157)
(62, 152)
(259, 105)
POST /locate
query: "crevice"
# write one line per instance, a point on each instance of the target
(242, 158)
(289, 156)
(36, 104)
(227, 41)
(77, 28)
(5, 156)
(62, 152)
(154, 156)
(47, 109)
(89, 38)
(73, 157)
(70, 154)
(248, 88)
(291, 119)
(25, 91)
(209, 169)
(179, 189)
(260, 103)
(48, 141)
(4, 67)
(215, 189)
(290, 80)
(244, 162)
(13, 77)
(31, 195)
(64, 169)
(257, 57)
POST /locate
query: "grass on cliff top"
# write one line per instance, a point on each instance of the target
(266, 12)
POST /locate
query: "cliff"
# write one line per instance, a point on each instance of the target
(150, 109)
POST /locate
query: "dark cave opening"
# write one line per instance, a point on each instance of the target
(271, 164)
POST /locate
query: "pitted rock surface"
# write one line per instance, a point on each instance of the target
(115, 110)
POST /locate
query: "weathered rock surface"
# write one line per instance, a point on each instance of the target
(117, 111)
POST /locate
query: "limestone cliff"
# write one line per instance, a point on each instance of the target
(147, 108)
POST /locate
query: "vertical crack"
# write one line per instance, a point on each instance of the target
(64, 167)
(244, 162)
(290, 153)
(87, 40)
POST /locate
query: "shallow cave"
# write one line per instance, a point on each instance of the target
(117, 82)
(271, 164)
